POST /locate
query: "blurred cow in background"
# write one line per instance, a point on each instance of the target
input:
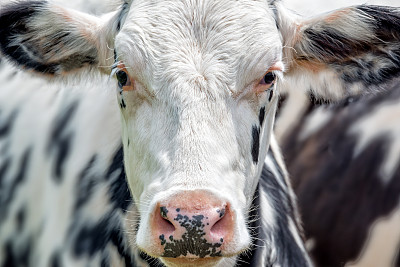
(344, 163)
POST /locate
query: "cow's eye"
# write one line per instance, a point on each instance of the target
(269, 78)
(124, 81)
(122, 78)
(266, 82)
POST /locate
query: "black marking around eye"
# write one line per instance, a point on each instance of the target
(256, 144)
(261, 116)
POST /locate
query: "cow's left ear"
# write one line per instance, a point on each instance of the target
(346, 52)
(47, 39)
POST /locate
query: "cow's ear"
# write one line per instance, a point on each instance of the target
(51, 40)
(346, 52)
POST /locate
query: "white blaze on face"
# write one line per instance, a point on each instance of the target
(192, 119)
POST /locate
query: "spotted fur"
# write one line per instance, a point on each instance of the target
(192, 119)
(345, 165)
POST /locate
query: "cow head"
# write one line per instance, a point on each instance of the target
(197, 83)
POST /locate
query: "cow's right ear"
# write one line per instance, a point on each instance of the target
(346, 52)
(47, 39)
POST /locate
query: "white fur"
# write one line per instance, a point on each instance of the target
(194, 70)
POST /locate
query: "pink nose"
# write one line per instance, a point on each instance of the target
(193, 224)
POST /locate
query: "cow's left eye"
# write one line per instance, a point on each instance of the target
(122, 78)
(124, 81)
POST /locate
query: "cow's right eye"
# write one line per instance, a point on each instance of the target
(122, 78)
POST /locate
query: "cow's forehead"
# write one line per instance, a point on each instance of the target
(224, 41)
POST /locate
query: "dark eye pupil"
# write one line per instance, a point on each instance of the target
(269, 78)
(122, 78)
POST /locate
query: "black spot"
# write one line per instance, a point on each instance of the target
(55, 260)
(92, 238)
(104, 261)
(3, 170)
(85, 184)
(162, 238)
(7, 123)
(261, 116)
(271, 94)
(10, 189)
(122, 104)
(221, 213)
(60, 142)
(10, 258)
(255, 144)
(115, 55)
(21, 214)
(64, 145)
(119, 190)
(118, 238)
(178, 210)
(163, 211)
(17, 256)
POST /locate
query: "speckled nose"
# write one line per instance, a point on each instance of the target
(193, 224)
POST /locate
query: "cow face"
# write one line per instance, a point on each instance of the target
(197, 99)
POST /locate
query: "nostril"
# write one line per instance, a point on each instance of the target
(162, 225)
(223, 225)
(165, 224)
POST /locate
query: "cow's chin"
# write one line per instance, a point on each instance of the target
(192, 262)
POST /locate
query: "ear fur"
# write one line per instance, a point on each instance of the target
(51, 40)
(346, 52)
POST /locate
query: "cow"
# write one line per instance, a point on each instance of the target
(345, 168)
(197, 89)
